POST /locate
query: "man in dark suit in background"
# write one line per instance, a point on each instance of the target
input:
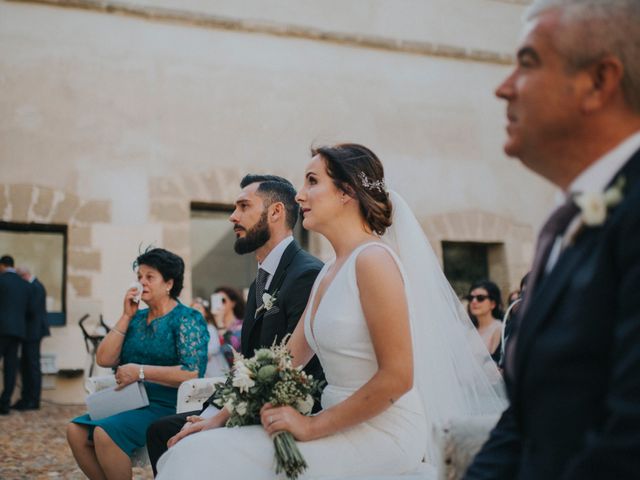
(573, 364)
(266, 213)
(14, 312)
(37, 328)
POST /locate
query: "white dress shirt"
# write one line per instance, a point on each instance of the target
(271, 262)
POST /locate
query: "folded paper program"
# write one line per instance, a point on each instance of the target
(109, 401)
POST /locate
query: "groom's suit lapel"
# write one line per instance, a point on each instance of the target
(553, 285)
(251, 319)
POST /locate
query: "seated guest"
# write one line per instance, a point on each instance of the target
(163, 346)
(224, 326)
(485, 310)
(229, 320)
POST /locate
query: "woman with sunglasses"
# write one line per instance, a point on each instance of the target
(485, 310)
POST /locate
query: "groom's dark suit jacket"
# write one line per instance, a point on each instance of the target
(574, 383)
(291, 285)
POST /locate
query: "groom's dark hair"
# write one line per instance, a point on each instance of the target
(275, 189)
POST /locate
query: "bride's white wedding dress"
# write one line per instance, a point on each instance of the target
(454, 376)
(393, 442)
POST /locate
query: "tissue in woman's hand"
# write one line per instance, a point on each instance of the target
(137, 285)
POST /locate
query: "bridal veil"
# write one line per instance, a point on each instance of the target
(453, 371)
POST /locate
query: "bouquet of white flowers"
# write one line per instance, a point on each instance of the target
(268, 377)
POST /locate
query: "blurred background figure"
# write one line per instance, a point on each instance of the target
(510, 317)
(37, 329)
(14, 310)
(224, 316)
(228, 307)
(485, 310)
(162, 346)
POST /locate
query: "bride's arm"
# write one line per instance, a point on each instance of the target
(383, 300)
(297, 344)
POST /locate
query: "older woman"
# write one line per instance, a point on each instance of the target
(162, 346)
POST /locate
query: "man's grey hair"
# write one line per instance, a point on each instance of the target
(603, 27)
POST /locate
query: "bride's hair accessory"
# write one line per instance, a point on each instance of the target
(371, 184)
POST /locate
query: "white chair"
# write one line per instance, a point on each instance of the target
(191, 395)
(459, 441)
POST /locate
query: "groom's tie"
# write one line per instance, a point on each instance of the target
(555, 226)
(261, 283)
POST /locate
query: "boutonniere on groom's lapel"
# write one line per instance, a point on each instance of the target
(268, 300)
(594, 207)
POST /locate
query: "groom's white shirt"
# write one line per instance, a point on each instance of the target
(272, 260)
(594, 179)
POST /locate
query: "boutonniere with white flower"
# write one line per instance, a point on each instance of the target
(268, 301)
(594, 208)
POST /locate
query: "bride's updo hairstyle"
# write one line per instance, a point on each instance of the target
(358, 172)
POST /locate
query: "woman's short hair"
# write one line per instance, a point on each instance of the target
(359, 173)
(170, 266)
(493, 291)
(235, 296)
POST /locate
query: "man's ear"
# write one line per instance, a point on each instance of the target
(276, 211)
(604, 82)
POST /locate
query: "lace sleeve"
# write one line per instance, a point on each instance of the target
(193, 339)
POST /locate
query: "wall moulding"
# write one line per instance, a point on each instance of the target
(202, 20)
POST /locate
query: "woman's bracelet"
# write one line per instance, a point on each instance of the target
(114, 329)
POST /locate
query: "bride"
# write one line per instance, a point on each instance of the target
(399, 354)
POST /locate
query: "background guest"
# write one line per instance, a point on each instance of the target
(485, 310)
(229, 320)
(37, 328)
(14, 310)
(163, 346)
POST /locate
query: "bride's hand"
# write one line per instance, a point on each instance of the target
(277, 419)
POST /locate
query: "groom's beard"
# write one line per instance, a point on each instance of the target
(256, 237)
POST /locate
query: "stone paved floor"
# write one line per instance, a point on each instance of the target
(33, 445)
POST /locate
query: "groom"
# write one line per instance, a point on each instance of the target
(266, 213)
(573, 365)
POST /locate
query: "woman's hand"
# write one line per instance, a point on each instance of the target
(195, 424)
(130, 307)
(277, 419)
(127, 374)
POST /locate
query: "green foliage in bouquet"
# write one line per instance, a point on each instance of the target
(268, 377)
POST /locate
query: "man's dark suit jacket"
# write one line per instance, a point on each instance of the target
(291, 285)
(15, 307)
(38, 325)
(575, 384)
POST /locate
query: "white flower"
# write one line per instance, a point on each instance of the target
(229, 405)
(241, 408)
(594, 208)
(242, 378)
(268, 300)
(305, 406)
(594, 205)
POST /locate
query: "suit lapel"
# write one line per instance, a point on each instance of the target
(548, 293)
(550, 289)
(250, 317)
